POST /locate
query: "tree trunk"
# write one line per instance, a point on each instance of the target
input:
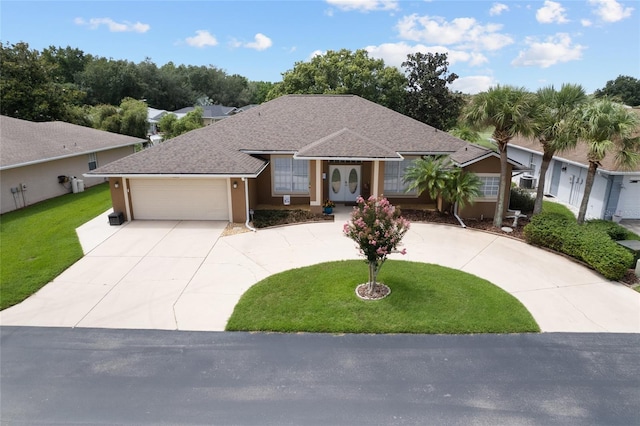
(591, 175)
(546, 160)
(373, 274)
(497, 216)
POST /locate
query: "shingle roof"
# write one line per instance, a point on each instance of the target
(347, 144)
(309, 125)
(576, 155)
(26, 142)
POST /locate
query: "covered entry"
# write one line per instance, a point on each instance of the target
(179, 199)
(344, 182)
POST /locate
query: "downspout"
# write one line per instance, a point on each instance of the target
(455, 214)
(246, 203)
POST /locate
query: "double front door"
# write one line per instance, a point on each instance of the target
(344, 183)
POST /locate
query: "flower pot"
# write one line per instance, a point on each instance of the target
(327, 210)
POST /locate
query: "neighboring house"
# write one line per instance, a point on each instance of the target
(615, 191)
(38, 160)
(297, 150)
(210, 113)
(153, 118)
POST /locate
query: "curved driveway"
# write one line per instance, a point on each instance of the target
(185, 276)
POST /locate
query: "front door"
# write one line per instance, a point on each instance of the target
(344, 183)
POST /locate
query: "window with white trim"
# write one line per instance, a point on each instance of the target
(93, 161)
(290, 176)
(490, 186)
(394, 172)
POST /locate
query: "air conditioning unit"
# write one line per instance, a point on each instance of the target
(527, 182)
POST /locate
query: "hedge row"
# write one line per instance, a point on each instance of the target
(590, 243)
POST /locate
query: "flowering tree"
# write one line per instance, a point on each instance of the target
(377, 227)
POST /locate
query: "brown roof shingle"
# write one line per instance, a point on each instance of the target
(26, 142)
(309, 125)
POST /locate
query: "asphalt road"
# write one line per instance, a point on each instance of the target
(102, 376)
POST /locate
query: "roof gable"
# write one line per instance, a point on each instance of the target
(345, 144)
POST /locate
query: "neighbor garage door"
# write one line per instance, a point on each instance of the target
(179, 199)
(629, 204)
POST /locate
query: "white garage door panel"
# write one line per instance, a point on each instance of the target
(629, 204)
(179, 199)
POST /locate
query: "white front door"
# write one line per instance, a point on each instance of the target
(344, 183)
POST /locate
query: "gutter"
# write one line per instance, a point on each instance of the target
(455, 214)
(246, 202)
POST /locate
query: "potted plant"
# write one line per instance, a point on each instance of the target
(327, 207)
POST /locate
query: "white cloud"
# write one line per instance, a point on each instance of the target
(203, 38)
(261, 42)
(497, 9)
(553, 50)
(316, 53)
(394, 54)
(551, 12)
(473, 84)
(586, 22)
(610, 10)
(464, 33)
(114, 27)
(364, 5)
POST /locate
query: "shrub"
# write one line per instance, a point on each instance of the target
(615, 231)
(266, 218)
(521, 199)
(590, 244)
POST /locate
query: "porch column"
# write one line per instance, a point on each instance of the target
(315, 185)
(376, 188)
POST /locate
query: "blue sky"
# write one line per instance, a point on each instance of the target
(522, 43)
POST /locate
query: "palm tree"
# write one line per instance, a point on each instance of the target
(462, 188)
(606, 126)
(429, 173)
(553, 130)
(509, 110)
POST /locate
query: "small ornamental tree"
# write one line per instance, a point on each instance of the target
(377, 227)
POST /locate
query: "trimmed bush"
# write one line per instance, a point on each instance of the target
(521, 199)
(591, 244)
(616, 231)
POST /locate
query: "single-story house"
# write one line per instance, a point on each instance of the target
(210, 113)
(296, 150)
(39, 160)
(615, 191)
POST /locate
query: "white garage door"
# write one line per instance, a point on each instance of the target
(629, 204)
(179, 199)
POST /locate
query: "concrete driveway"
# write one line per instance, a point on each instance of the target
(185, 276)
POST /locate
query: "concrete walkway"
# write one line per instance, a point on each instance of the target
(186, 276)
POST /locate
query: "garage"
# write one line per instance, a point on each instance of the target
(179, 199)
(629, 204)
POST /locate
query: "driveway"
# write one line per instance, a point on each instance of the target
(176, 275)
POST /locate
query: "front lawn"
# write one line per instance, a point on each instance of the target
(424, 298)
(39, 241)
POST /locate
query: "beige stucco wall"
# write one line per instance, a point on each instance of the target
(486, 209)
(239, 214)
(41, 180)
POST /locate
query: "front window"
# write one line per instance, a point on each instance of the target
(394, 172)
(490, 186)
(290, 176)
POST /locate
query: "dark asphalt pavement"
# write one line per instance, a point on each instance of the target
(103, 376)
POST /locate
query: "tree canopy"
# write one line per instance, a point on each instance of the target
(625, 89)
(345, 72)
(428, 98)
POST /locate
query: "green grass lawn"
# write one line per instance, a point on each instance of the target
(424, 298)
(38, 242)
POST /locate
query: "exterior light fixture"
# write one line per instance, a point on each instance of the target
(235, 185)
(116, 185)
